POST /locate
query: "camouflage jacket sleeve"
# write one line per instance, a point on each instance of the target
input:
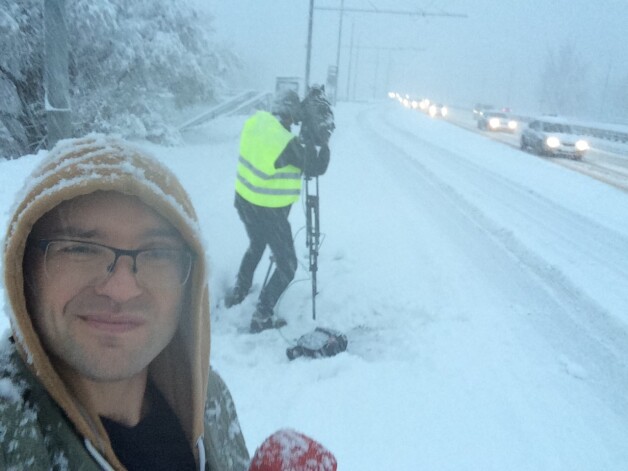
(21, 441)
(34, 433)
(224, 442)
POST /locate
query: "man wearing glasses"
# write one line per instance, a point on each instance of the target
(108, 363)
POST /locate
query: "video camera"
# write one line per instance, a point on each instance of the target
(317, 117)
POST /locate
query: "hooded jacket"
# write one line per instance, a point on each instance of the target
(32, 392)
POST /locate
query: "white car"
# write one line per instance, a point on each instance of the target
(437, 110)
(551, 136)
(496, 121)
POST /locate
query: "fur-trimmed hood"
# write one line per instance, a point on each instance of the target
(82, 166)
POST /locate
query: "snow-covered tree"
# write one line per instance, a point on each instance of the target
(130, 62)
(564, 82)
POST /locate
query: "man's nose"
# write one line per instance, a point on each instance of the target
(121, 284)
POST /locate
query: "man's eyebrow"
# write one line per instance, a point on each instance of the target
(80, 233)
(70, 231)
(167, 232)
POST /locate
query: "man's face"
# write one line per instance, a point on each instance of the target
(112, 328)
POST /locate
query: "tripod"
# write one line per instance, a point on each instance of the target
(312, 236)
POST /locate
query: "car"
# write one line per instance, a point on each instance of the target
(424, 104)
(479, 108)
(496, 121)
(437, 110)
(553, 137)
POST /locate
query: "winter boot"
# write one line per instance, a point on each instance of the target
(235, 296)
(264, 319)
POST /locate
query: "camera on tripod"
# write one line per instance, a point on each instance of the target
(317, 117)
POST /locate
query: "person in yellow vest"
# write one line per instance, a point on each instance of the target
(270, 168)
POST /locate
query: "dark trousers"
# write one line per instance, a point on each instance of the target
(266, 226)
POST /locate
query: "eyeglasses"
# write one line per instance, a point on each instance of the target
(93, 263)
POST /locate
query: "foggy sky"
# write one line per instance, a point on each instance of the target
(495, 55)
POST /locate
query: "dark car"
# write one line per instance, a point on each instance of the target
(480, 108)
(496, 121)
(551, 136)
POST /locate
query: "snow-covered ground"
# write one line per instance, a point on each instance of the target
(483, 291)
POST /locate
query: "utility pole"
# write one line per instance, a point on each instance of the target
(56, 72)
(376, 75)
(356, 68)
(342, 4)
(350, 57)
(309, 47)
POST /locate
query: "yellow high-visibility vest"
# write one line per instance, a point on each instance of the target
(263, 139)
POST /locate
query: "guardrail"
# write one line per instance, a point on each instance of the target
(610, 137)
(604, 131)
(259, 101)
(241, 103)
(599, 131)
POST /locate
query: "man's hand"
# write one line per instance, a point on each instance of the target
(324, 153)
(316, 162)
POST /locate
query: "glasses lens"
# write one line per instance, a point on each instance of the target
(163, 267)
(80, 260)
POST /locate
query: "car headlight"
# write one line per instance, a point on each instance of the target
(443, 111)
(512, 125)
(493, 122)
(552, 142)
(582, 145)
(432, 110)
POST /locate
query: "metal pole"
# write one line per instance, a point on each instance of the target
(355, 71)
(376, 75)
(342, 4)
(350, 60)
(312, 238)
(388, 72)
(56, 72)
(309, 47)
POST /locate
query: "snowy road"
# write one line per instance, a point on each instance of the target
(483, 291)
(528, 253)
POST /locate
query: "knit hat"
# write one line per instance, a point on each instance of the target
(286, 104)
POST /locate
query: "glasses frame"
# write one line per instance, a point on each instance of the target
(43, 244)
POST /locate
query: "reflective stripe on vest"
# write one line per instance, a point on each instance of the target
(258, 181)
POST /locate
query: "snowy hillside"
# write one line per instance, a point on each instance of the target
(483, 291)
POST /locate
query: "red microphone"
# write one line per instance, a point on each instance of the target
(288, 450)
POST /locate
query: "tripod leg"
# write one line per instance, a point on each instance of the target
(270, 267)
(313, 237)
